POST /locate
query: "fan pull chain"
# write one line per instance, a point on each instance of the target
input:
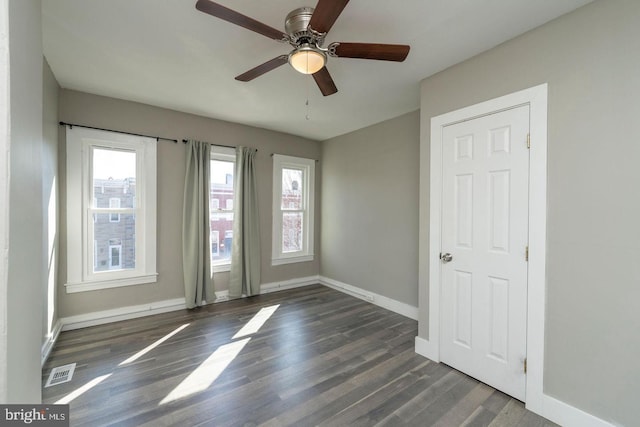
(307, 103)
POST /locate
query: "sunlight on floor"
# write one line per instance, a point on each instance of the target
(207, 372)
(152, 346)
(256, 322)
(79, 391)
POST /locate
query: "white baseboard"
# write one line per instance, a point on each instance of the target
(266, 288)
(122, 313)
(427, 349)
(390, 304)
(551, 408)
(569, 416)
(50, 341)
(135, 311)
(222, 296)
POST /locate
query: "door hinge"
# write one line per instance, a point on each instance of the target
(526, 253)
(528, 140)
(525, 365)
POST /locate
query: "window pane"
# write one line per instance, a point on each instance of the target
(222, 229)
(221, 190)
(215, 245)
(114, 257)
(292, 232)
(114, 247)
(114, 203)
(291, 189)
(221, 185)
(221, 175)
(114, 177)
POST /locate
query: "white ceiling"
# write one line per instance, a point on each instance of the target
(168, 54)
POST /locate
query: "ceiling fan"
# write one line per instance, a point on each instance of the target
(306, 29)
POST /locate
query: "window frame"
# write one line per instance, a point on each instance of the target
(81, 274)
(224, 154)
(307, 166)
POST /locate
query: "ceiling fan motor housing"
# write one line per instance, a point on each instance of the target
(296, 25)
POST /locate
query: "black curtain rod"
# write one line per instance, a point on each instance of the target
(216, 145)
(316, 160)
(157, 138)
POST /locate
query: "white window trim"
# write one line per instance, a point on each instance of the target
(307, 166)
(80, 273)
(224, 154)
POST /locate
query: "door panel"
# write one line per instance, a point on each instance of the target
(499, 221)
(462, 307)
(464, 211)
(484, 227)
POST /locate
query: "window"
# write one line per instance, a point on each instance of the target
(215, 243)
(221, 206)
(114, 257)
(293, 209)
(111, 210)
(114, 203)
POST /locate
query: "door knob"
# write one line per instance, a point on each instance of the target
(446, 257)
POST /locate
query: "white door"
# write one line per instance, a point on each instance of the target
(484, 234)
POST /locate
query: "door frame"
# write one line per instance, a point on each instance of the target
(536, 99)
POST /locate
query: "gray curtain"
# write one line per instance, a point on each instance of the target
(196, 251)
(245, 249)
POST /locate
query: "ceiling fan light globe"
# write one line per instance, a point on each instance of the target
(307, 60)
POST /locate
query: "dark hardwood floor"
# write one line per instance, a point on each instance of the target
(320, 358)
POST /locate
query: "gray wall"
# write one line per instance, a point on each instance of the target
(370, 208)
(5, 119)
(27, 155)
(591, 60)
(98, 111)
(49, 198)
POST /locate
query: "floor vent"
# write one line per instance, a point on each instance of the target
(61, 374)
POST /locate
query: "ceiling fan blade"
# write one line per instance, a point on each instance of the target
(383, 52)
(226, 14)
(325, 14)
(263, 68)
(325, 82)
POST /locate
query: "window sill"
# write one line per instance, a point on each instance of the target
(108, 284)
(291, 260)
(221, 268)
